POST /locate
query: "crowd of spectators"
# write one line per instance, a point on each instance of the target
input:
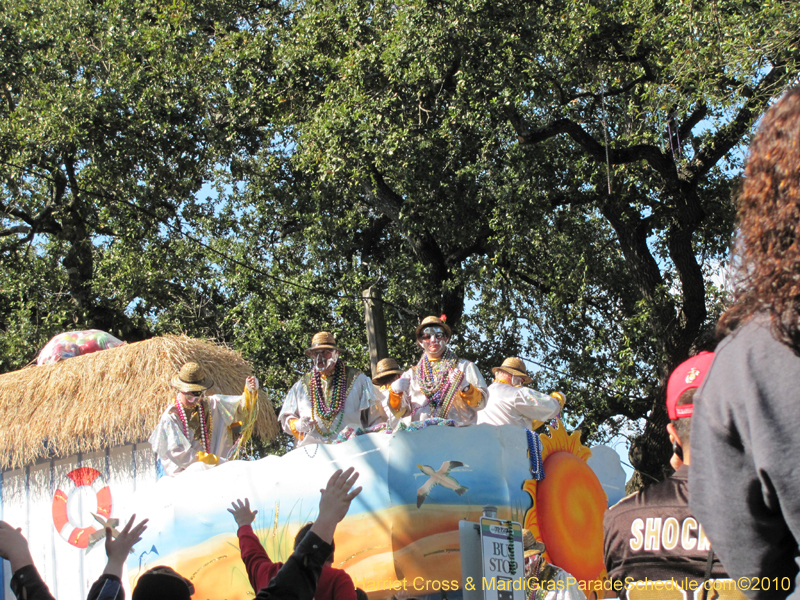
(296, 579)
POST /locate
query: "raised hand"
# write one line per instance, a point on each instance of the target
(241, 512)
(335, 502)
(14, 546)
(118, 549)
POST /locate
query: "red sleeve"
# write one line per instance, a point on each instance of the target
(260, 569)
(335, 584)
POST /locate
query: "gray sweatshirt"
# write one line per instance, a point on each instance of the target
(744, 485)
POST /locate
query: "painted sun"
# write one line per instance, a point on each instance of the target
(568, 506)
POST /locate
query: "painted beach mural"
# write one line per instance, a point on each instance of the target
(417, 485)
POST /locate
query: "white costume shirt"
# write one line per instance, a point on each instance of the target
(460, 411)
(510, 405)
(178, 451)
(362, 408)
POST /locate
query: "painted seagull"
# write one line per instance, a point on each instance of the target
(441, 477)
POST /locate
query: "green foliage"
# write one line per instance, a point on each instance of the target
(113, 115)
(518, 158)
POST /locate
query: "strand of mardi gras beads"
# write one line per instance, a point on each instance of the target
(439, 381)
(205, 433)
(327, 422)
(512, 563)
(442, 405)
(432, 378)
(535, 455)
(338, 393)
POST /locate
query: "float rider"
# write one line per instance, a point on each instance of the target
(510, 403)
(202, 430)
(330, 398)
(441, 385)
(387, 371)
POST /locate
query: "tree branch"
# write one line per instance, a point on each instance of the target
(423, 244)
(14, 230)
(613, 91)
(698, 115)
(652, 154)
(478, 246)
(729, 136)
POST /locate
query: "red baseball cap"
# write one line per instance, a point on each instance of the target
(688, 375)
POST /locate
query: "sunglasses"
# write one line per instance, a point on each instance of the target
(193, 394)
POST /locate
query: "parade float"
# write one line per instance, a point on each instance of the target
(401, 535)
(74, 445)
(75, 458)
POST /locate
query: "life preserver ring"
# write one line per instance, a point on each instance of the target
(79, 536)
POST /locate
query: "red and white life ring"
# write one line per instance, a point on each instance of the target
(79, 536)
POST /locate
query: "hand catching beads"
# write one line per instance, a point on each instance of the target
(304, 425)
(401, 385)
(251, 383)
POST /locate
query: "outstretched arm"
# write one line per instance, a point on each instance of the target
(25, 581)
(297, 579)
(109, 585)
(335, 502)
(118, 549)
(259, 566)
(537, 406)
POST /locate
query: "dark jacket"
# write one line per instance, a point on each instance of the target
(744, 484)
(297, 578)
(27, 584)
(333, 584)
(652, 535)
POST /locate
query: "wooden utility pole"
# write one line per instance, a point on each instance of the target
(376, 326)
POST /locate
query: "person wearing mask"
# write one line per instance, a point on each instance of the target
(441, 385)
(330, 398)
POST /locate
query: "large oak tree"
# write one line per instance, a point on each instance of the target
(556, 177)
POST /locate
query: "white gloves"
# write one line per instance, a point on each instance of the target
(251, 383)
(304, 425)
(401, 385)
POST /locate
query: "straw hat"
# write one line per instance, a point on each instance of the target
(322, 341)
(531, 544)
(385, 368)
(514, 366)
(434, 322)
(192, 378)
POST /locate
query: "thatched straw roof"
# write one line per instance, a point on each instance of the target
(108, 398)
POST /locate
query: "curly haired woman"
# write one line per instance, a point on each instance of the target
(745, 480)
